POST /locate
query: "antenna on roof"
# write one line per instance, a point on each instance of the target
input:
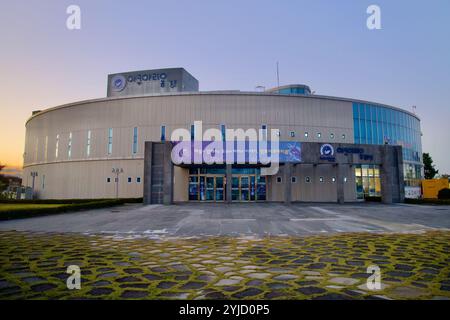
(278, 76)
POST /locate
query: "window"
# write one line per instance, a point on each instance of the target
(163, 133)
(279, 180)
(110, 140)
(343, 136)
(264, 131)
(36, 146)
(320, 179)
(333, 179)
(293, 179)
(88, 143)
(331, 135)
(69, 146)
(135, 140)
(319, 134)
(306, 134)
(368, 182)
(57, 146)
(292, 134)
(46, 148)
(192, 132)
(307, 179)
(129, 179)
(223, 130)
(108, 179)
(138, 179)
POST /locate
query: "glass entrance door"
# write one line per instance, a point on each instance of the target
(210, 183)
(252, 188)
(220, 194)
(245, 189)
(207, 188)
(235, 189)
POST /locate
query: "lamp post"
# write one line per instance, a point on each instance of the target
(117, 171)
(33, 174)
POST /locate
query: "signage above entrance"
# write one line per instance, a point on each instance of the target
(237, 152)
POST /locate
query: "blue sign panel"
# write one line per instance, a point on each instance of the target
(236, 151)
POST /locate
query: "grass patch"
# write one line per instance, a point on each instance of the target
(25, 206)
(428, 201)
(68, 201)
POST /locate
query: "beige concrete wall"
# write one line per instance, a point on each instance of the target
(314, 191)
(181, 184)
(84, 176)
(86, 179)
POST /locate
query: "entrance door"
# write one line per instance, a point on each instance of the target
(235, 190)
(245, 188)
(252, 188)
(220, 194)
(210, 183)
(202, 189)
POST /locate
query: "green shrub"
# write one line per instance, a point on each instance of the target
(69, 201)
(428, 201)
(444, 194)
(76, 206)
(372, 199)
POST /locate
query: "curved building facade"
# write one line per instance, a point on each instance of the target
(70, 150)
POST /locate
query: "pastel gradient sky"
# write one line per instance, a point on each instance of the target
(228, 45)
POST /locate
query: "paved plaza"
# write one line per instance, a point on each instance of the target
(240, 219)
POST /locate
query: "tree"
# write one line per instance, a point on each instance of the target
(3, 183)
(428, 167)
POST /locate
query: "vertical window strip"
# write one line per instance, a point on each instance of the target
(88, 143)
(46, 149)
(163, 133)
(69, 146)
(110, 140)
(57, 146)
(135, 140)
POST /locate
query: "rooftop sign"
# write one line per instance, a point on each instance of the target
(150, 81)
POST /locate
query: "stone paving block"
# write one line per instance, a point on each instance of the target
(227, 282)
(344, 281)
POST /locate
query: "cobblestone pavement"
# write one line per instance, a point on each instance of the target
(413, 266)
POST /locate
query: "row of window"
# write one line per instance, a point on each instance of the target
(308, 179)
(88, 143)
(129, 180)
(380, 125)
(135, 140)
(263, 127)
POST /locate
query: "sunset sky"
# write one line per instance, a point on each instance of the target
(228, 45)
